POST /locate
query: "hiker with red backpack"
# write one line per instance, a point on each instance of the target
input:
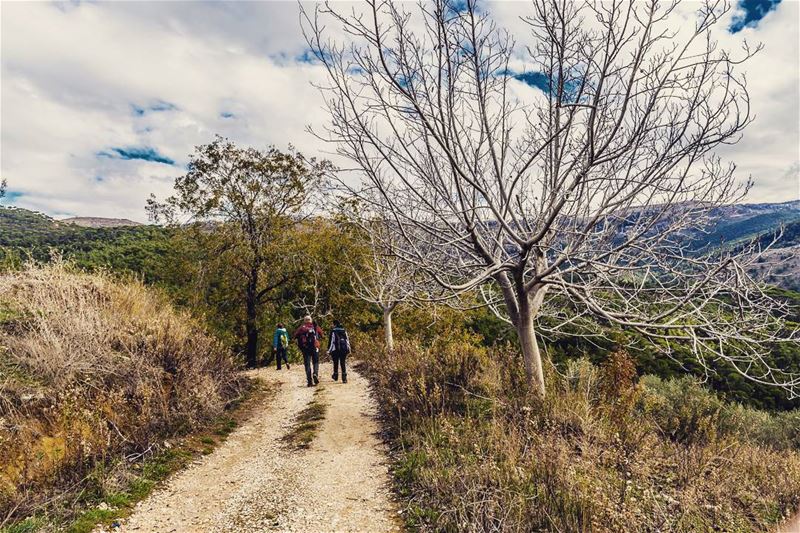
(338, 349)
(308, 336)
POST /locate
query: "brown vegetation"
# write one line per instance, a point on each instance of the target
(477, 450)
(93, 371)
(307, 423)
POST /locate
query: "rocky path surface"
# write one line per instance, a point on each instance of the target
(253, 482)
(792, 526)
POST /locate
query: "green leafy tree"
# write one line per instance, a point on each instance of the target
(246, 199)
(325, 250)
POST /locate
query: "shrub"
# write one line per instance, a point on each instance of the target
(688, 412)
(684, 410)
(475, 450)
(426, 381)
(779, 431)
(94, 369)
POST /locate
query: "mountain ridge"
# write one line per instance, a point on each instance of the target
(736, 225)
(99, 222)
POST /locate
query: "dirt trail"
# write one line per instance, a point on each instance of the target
(252, 482)
(792, 526)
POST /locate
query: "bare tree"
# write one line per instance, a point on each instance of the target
(574, 200)
(382, 278)
(313, 304)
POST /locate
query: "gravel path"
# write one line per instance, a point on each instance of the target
(252, 482)
(792, 526)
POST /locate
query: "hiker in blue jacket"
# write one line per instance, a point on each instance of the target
(338, 349)
(280, 342)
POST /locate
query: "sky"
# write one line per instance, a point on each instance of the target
(101, 103)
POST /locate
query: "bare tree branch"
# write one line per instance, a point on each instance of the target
(585, 194)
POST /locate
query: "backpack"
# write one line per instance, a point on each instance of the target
(340, 341)
(308, 338)
(284, 340)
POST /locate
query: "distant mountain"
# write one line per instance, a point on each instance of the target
(788, 236)
(736, 225)
(780, 265)
(743, 222)
(119, 245)
(99, 222)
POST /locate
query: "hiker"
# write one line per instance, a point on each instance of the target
(338, 349)
(280, 342)
(307, 337)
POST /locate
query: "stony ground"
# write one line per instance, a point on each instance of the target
(792, 526)
(254, 482)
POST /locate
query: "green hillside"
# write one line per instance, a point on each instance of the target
(789, 237)
(138, 249)
(730, 233)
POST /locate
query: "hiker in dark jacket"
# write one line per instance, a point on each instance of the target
(308, 336)
(280, 342)
(339, 348)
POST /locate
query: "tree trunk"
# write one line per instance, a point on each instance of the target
(251, 321)
(530, 347)
(387, 328)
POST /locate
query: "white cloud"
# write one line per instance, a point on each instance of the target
(770, 148)
(71, 75)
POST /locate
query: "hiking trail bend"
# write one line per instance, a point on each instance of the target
(255, 482)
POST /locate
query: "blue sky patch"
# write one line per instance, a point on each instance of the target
(750, 13)
(161, 105)
(158, 105)
(307, 56)
(145, 153)
(534, 79)
(12, 196)
(459, 6)
(539, 80)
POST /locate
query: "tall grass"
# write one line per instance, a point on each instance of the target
(475, 450)
(93, 370)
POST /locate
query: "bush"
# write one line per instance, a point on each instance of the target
(94, 369)
(682, 409)
(475, 450)
(687, 412)
(426, 381)
(779, 431)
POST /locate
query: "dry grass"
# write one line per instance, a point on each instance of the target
(93, 370)
(476, 451)
(307, 423)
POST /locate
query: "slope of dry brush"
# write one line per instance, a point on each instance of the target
(92, 370)
(476, 451)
